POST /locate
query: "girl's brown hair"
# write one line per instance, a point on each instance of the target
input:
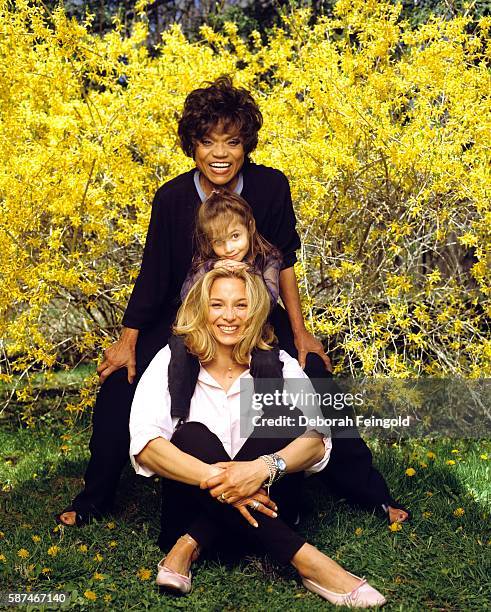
(214, 217)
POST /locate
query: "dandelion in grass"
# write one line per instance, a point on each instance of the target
(98, 576)
(36, 539)
(455, 451)
(459, 512)
(144, 574)
(98, 557)
(23, 553)
(431, 455)
(358, 531)
(90, 595)
(410, 472)
(484, 456)
(450, 462)
(423, 465)
(112, 544)
(429, 493)
(83, 548)
(111, 525)
(395, 527)
(46, 570)
(3, 559)
(2, 535)
(53, 551)
(107, 598)
(427, 514)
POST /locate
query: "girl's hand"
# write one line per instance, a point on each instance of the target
(307, 343)
(259, 502)
(230, 264)
(237, 480)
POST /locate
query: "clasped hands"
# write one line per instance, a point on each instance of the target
(240, 484)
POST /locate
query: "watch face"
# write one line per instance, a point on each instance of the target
(281, 464)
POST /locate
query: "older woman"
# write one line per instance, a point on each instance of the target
(222, 320)
(218, 129)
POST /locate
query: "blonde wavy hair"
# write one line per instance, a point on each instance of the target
(192, 317)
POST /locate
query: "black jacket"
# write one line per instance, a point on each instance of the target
(169, 244)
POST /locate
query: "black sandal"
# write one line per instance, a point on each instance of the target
(81, 518)
(397, 506)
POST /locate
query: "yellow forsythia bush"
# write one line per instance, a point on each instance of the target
(382, 129)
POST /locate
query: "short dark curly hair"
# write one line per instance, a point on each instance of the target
(220, 102)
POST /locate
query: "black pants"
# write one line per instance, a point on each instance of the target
(349, 473)
(188, 509)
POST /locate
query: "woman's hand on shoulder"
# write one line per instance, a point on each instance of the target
(306, 343)
(121, 354)
(237, 480)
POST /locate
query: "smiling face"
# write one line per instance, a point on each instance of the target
(227, 311)
(219, 156)
(234, 244)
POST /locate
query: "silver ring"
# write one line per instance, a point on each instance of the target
(255, 504)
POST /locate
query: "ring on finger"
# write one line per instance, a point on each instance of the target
(222, 498)
(255, 504)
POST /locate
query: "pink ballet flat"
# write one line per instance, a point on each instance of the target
(171, 580)
(362, 596)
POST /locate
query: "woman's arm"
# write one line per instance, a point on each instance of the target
(304, 340)
(243, 478)
(163, 458)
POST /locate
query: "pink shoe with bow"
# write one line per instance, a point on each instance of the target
(362, 596)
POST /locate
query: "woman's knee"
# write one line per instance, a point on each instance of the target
(196, 439)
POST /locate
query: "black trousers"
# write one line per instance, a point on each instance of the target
(349, 473)
(188, 509)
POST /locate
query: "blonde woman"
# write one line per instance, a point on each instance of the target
(214, 478)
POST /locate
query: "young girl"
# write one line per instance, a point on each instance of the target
(226, 236)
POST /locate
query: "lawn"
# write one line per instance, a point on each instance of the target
(441, 560)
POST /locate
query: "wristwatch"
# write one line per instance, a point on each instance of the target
(280, 465)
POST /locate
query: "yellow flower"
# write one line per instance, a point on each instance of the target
(431, 455)
(358, 531)
(107, 598)
(111, 525)
(53, 551)
(98, 557)
(395, 527)
(3, 559)
(459, 512)
(98, 576)
(455, 451)
(429, 493)
(2, 535)
(484, 456)
(410, 472)
(83, 548)
(423, 464)
(450, 462)
(23, 553)
(427, 514)
(36, 538)
(90, 595)
(144, 574)
(112, 543)
(45, 570)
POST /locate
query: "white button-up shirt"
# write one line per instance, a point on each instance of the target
(211, 405)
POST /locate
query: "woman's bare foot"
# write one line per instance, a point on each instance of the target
(397, 515)
(182, 554)
(68, 518)
(318, 567)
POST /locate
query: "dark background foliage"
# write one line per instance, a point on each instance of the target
(249, 15)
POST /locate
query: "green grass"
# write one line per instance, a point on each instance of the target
(438, 561)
